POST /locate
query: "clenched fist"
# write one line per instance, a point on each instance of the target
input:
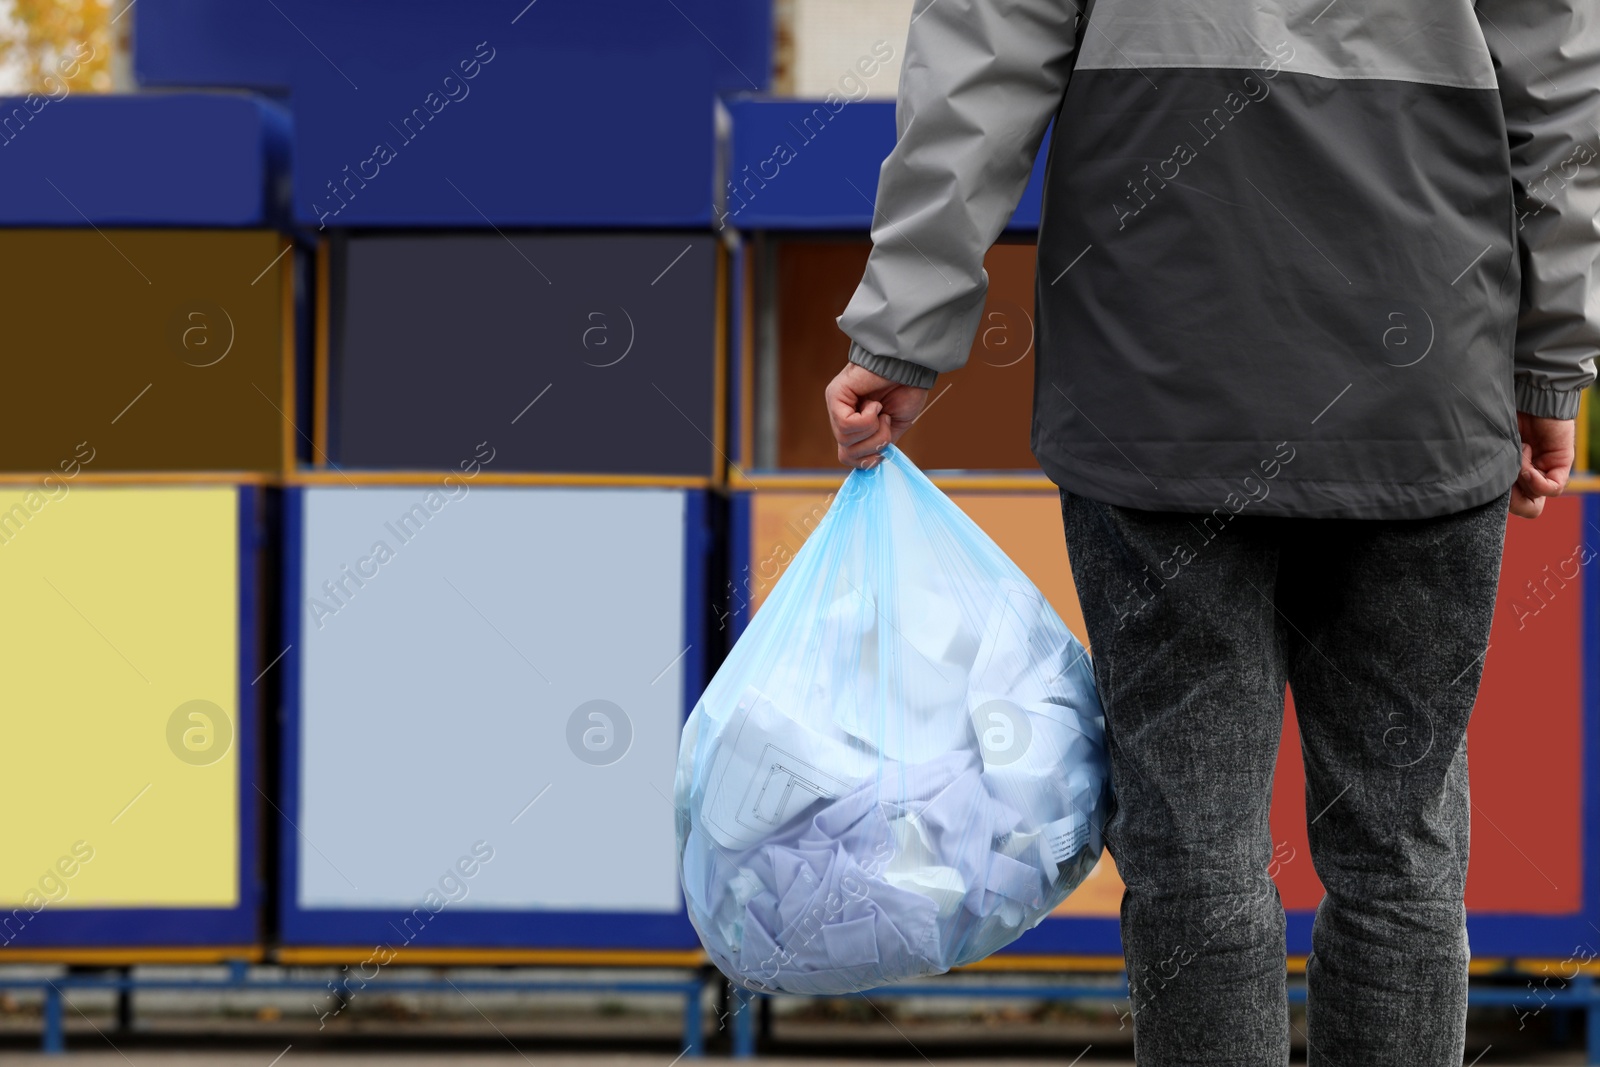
(869, 412)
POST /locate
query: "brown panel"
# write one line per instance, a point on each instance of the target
(156, 350)
(979, 416)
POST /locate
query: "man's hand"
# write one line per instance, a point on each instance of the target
(869, 412)
(1548, 448)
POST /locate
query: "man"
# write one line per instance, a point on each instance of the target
(1316, 301)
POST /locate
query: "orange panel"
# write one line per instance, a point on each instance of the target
(1026, 526)
(1100, 894)
(779, 525)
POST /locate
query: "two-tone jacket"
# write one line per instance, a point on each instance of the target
(1361, 232)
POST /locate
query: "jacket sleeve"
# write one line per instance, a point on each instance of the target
(1547, 62)
(979, 84)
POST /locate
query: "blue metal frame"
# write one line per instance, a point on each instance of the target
(738, 561)
(663, 74)
(1590, 646)
(829, 178)
(239, 979)
(160, 180)
(474, 928)
(699, 542)
(166, 927)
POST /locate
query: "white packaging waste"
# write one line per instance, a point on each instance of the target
(900, 767)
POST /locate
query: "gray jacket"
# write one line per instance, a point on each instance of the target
(1361, 234)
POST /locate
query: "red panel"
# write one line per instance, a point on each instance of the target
(1297, 880)
(1524, 743)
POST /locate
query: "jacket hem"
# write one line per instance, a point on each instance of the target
(1299, 498)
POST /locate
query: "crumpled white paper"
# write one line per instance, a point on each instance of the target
(900, 767)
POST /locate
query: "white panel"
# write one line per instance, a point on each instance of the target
(436, 695)
(831, 37)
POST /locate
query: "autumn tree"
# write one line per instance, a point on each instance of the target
(41, 38)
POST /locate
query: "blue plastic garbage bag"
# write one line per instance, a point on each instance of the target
(900, 767)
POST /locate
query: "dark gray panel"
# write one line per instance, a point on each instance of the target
(1231, 262)
(442, 341)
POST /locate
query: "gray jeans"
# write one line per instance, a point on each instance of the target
(1196, 624)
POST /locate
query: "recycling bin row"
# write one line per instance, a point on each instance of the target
(407, 708)
(445, 716)
(592, 355)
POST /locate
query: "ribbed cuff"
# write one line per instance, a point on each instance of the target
(1543, 403)
(896, 370)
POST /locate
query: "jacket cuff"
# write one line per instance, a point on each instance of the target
(904, 371)
(1544, 403)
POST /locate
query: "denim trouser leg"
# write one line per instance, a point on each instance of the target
(1191, 673)
(1380, 628)
(1390, 628)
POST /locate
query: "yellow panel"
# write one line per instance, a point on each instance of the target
(121, 605)
(1586, 417)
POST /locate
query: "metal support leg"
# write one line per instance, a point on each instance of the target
(1561, 1025)
(723, 1002)
(693, 1023)
(1585, 987)
(744, 1026)
(55, 1040)
(125, 1000)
